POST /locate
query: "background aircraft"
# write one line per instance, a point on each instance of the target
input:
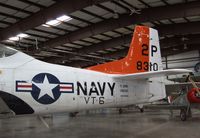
(30, 86)
(184, 96)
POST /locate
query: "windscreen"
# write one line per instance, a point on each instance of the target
(6, 51)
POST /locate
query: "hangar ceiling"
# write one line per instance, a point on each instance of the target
(82, 33)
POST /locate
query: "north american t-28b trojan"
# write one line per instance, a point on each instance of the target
(30, 86)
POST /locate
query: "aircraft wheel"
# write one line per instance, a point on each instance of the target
(183, 115)
(73, 114)
(141, 110)
(120, 111)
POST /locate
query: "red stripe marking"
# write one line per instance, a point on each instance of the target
(25, 86)
(65, 87)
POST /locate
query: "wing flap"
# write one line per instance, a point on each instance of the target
(146, 75)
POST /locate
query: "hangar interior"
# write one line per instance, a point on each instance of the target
(83, 33)
(94, 32)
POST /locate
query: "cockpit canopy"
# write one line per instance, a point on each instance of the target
(6, 51)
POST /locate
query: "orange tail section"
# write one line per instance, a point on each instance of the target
(143, 55)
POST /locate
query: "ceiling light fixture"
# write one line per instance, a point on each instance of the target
(64, 18)
(17, 37)
(22, 35)
(13, 38)
(57, 21)
(53, 22)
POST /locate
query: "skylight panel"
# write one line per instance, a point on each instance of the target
(57, 21)
(64, 18)
(18, 37)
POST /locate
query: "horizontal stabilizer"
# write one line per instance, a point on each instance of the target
(146, 75)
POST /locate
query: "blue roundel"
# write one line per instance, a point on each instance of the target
(45, 88)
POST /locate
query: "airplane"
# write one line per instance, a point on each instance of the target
(188, 97)
(31, 86)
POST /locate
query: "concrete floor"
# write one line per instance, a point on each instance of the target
(105, 123)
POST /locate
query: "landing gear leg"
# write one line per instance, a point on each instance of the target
(189, 112)
(171, 113)
(41, 118)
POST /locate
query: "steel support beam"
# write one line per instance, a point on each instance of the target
(112, 43)
(179, 28)
(147, 15)
(173, 29)
(180, 49)
(167, 48)
(122, 53)
(126, 39)
(116, 55)
(180, 40)
(55, 10)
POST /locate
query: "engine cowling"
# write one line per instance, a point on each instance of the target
(193, 96)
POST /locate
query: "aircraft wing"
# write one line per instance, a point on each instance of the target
(182, 84)
(165, 106)
(146, 75)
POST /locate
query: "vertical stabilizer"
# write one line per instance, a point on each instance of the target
(143, 55)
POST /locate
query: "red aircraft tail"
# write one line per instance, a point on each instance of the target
(143, 55)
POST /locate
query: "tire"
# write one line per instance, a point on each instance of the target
(197, 67)
(183, 115)
(141, 110)
(73, 114)
(120, 111)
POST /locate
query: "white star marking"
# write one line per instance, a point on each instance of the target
(46, 88)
